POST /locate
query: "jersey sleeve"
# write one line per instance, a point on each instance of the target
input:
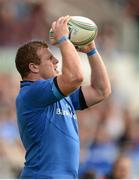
(78, 99)
(43, 93)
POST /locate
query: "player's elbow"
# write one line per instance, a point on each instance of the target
(105, 93)
(73, 77)
(77, 80)
(74, 80)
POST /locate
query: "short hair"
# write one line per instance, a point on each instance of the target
(27, 54)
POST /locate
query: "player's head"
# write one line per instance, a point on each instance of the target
(34, 59)
(122, 168)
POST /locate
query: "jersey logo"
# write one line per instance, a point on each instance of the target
(66, 112)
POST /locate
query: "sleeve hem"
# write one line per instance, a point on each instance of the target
(82, 100)
(56, 85)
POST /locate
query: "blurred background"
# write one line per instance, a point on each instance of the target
(109, 131)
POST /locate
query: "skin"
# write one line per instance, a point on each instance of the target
(99, 87)
(48, 66)
(72, 74)
(122, 169)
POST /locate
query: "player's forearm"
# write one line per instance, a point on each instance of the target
(72, 68)
(99, 76)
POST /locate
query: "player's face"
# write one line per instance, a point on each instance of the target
(48, 65)
(122, 169)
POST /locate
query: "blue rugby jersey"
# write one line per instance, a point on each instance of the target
(48, 129)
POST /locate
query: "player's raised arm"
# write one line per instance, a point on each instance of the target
(72, 74)
(99, 87)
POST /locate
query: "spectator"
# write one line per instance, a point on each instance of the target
(22, 21)
(89, 175)
(121, 169)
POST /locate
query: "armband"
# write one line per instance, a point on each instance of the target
(92, 52)
(62, 39)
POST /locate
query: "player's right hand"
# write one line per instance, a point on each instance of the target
(86, 48)
(60, 27)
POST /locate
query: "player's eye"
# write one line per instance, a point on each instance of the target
(51, 57)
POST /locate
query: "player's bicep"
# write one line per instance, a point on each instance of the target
(91, 95)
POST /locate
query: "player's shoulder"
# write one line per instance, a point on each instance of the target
(42, 82)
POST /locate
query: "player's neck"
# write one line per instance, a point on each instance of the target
(32, 77)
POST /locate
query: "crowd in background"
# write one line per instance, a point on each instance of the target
(21, 21)
(11, 151)
(109, 132)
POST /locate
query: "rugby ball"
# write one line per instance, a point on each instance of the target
(82, 30)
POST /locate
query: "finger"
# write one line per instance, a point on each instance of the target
(76, 47)
(53, 25)
(63, 19)
(60, 20)
(67, 18)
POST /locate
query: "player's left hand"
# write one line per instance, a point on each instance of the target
(87, 48)
(59, 29)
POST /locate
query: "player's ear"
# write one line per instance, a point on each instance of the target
(33, 67)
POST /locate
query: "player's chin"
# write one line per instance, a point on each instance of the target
(55, 73)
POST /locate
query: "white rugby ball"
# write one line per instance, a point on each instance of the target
(82, 30)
